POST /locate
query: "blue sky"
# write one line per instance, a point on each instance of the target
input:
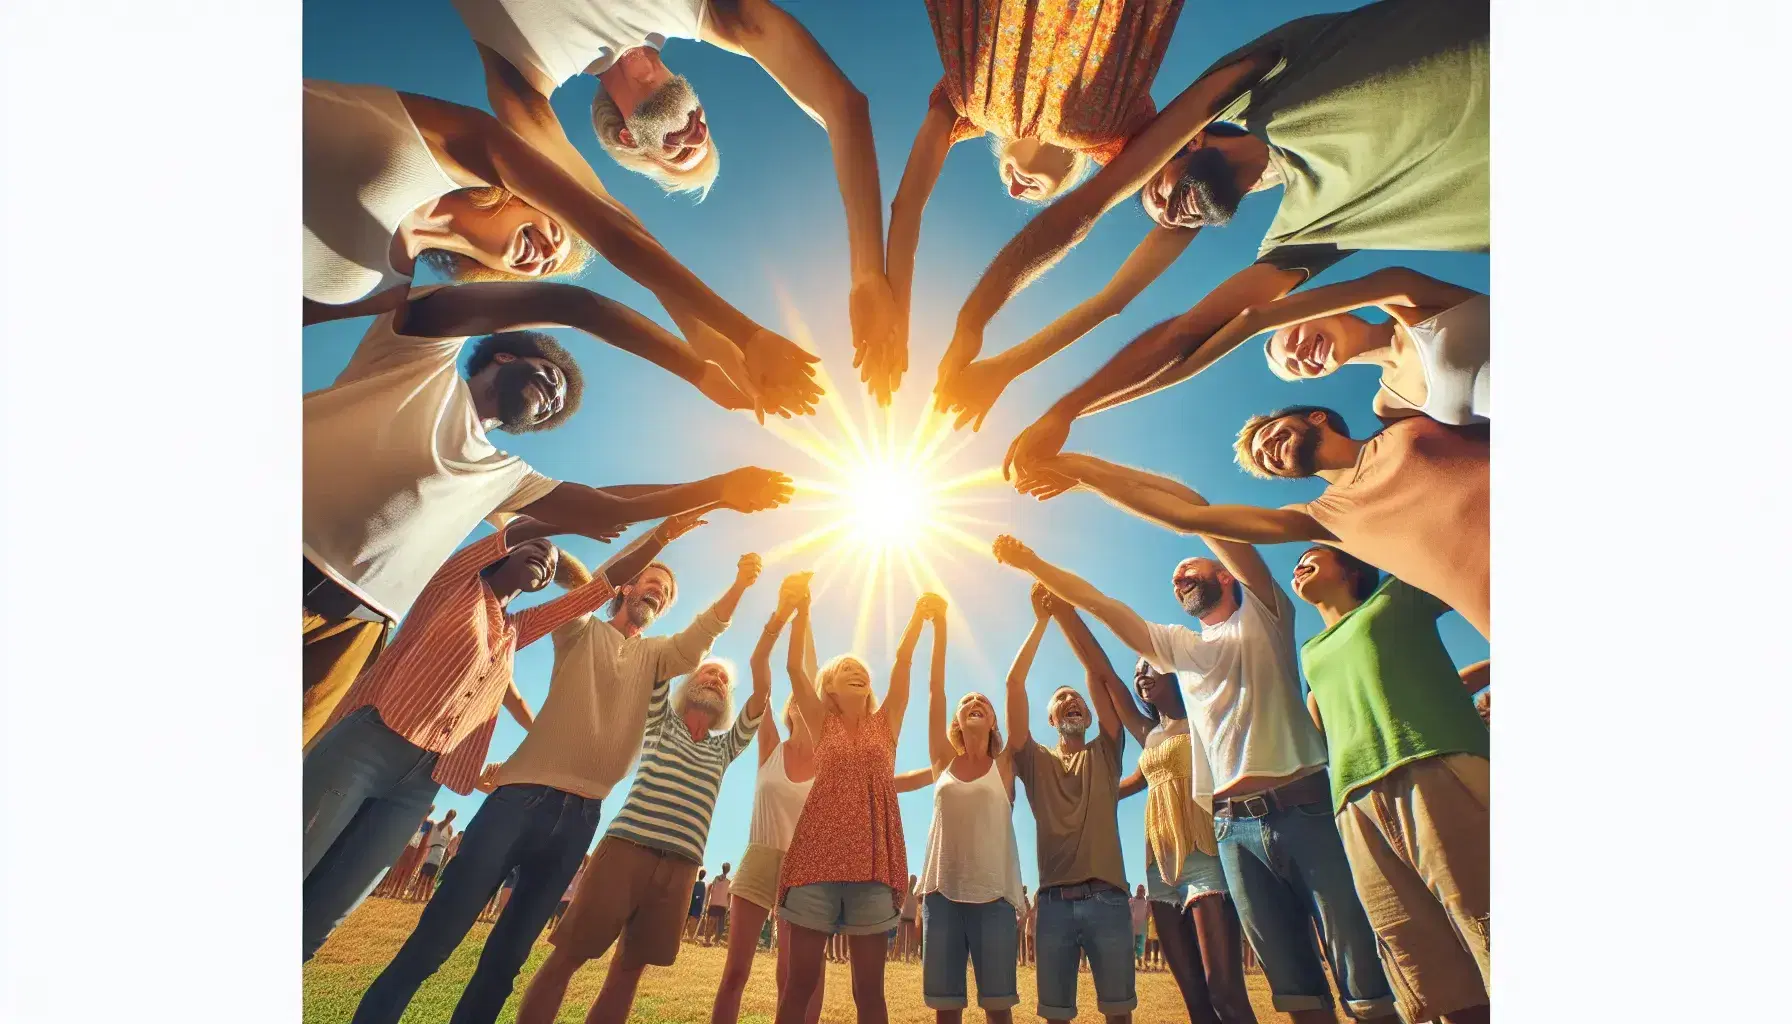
(774, 225)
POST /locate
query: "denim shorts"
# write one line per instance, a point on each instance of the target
(983, 932)
(846, 908)
(1100, 925)
(1202, 875)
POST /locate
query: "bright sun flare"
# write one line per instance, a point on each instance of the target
(888, 510)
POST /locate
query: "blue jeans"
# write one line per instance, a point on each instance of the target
(1287, 870)
(366, 789)
(542, 832)
(845, 908)
(1100, 925)
(983, 932)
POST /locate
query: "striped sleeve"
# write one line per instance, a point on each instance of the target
(534, 623)
(469, 560)
(742, 734)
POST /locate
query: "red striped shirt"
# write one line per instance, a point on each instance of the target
(441, 682)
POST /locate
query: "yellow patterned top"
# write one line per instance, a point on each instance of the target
(1174, 823)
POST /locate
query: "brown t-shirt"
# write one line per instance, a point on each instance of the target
(1415, 507)
(1075, 800)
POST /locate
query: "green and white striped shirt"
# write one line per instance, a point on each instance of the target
(674, 793)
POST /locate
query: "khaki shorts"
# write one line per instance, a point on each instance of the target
(631, 892)
(757, 880)
(1417, 840)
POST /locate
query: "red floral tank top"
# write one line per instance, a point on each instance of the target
(850, 829)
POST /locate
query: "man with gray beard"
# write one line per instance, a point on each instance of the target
(651, 121)
(543, 807)
(1271, 803)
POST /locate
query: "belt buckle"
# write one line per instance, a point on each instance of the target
(1255, 806)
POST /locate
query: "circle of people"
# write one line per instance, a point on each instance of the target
(1348, 830)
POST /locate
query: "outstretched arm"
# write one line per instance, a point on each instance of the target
(939, 748)
(809, 705)
(761, 666)
(918, 778)
(576, 508)
(925, 160)
(523, 107)
(1133, 784)
(1477, 677)
(1020, 728)
(1060, 226)
(930, 608)
(1122, 620)
(1104, 683)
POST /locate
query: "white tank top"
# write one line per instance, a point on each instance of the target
(366, 168)
(558, 39)
(1453, 351)
(971, 853)
(777, 803)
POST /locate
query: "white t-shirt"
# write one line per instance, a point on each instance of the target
(1241, 687)
(398, 469)
(558, 39)
(438, 843)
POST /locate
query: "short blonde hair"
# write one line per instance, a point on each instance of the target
(955, 732)
(1080, 165)
(725, 720)
(832, 669)
(1241, 448)
(1275, 365)
(466, 270)
(608, 121)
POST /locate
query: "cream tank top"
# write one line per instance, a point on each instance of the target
(971, 853)
(1453, 349)
(365, 169)
(777, 803)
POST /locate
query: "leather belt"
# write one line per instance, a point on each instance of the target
(1079, 891)
(1311, 789)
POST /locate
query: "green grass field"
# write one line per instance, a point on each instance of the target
(354, 956)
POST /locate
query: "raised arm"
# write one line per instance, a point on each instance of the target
(1020, 728)
(1101, 691)
(919, 176)
(1122, 620)
(972, 390)
(1099, 674)
(577, 508)
(939, 748)
(930, 608)
(787, 52)
(809, 704)
(1060, 226)
(761, 667)
(523, 107)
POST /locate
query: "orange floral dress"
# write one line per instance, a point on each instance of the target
(1072, 73)
(850, 829)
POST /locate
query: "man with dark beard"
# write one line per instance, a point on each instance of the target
(544, 802)
(1412, 500)
(1373, 123)
(1283, 860)
(651, 122)
(399, 468)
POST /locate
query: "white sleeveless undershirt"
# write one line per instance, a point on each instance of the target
(777, 803)
(559, 39)
(1453, 349)
(971, 853)
(365, 169)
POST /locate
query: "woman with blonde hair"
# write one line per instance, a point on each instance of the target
(786, 774)
(1058, 86)
(847, 864)
(392, 179)
(970, 887)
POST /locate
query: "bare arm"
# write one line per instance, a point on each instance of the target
(939, 748)
(518, 707)
(1477, 677)
(372, 305)
(576, 508)
(919, 778)
(1101, 692)
(1020, 728)
(1313, 713)
(525, 110)
(1060, 226)
(761, 667)
(809, 704)
(925, 159)
(1132, 784)
(1099, 672)
(895, 704)
(1122, 620)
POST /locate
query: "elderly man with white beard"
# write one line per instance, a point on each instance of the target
(634, 896)
(544, 801)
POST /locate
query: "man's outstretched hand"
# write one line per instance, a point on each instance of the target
(1036, 444)
(1010, 551)
(783, 376)
(879, 345)
(752, 489)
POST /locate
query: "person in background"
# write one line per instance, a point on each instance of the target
(566, 897)
(649, 857)
(1482, 701)
(1141, 912)
(699, 899)
(1153, 948)
(1073, 788)
(1409, 771)
(716, 919)
(844, 869)
(494, 907)
(545, 800)
(398, 877)
(908, 937)
(435, 857)
(786, 774)
(1283, 862)
(651, 122)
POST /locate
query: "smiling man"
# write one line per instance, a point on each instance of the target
(650, 120)
(399, 467)
(545, 799)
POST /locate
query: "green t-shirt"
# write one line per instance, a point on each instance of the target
(1377, 119)
(1387, 691)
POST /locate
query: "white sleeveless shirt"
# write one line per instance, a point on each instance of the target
(777, 803)
(366, 168)
(559, 39)
(971, 852)
(1453, 349)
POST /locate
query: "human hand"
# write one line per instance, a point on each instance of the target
(674, 527)
(1044, 439)
(751, 489)
(793, 592)
(747, 570)
(719, 388)
(965, 345)
(931, 608)
(973, 390)
(880, 346)
(1047, 479)
(488, 777)
(782, 375)
(1010, 551)
(1045, 603)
